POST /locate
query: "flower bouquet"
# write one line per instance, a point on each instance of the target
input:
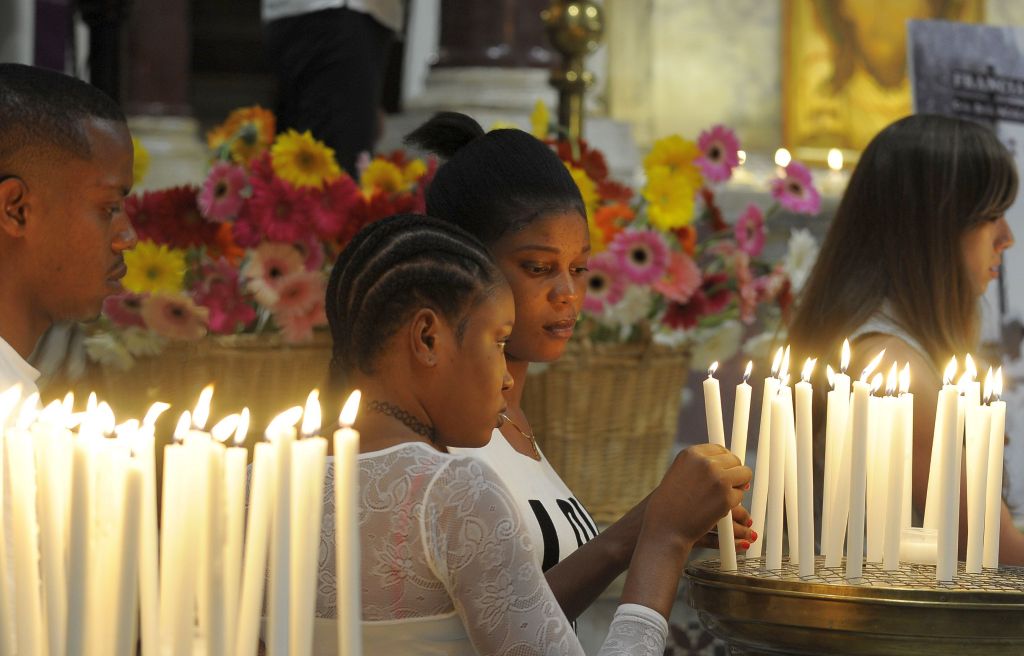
(672, 284)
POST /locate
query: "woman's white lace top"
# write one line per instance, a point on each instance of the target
(442, 540)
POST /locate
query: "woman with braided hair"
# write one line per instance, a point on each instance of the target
(420, 317)
(513, 193)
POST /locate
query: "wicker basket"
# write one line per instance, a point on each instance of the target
(606, 416)
(257, 371)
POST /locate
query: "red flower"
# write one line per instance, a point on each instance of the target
(716, 292)
(614, 192)
(282, 212)
(591, 160)
(221, 293)
(170, 217)
(683, 316)
(332, 208)
(714, 212)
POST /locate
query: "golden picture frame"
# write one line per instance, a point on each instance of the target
(844, 68)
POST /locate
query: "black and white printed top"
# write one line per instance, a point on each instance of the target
(553, 516)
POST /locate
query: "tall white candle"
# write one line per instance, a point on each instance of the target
(149, 572)
(128, 561)
(716, 435)
(792, 497)
(215, 621)
(948, 508)
(257, 534)
(858, 476)
(79, 541)
(994, 480)
(879, 445)
(282, 434)
(178, 535)
(28, 606)
(759, 501)
(804, 464)
(900, 408)
(907, 413)
(781, 404)
(46, 432)
(346, 548)
(234, 523)
(8, 401)
(979, 429)
(741, 417)
(836, 418)
(308, 467)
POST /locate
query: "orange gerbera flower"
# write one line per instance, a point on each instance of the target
(247, 132)
(687, 236)
(611, 219)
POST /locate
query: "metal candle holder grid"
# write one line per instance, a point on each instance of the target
(904, 611)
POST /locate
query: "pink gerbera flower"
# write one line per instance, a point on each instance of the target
(283, 213)
(175, 316)
(720, 149)
(298, 292)
(642, 255)
(298, 327)
(750, 231)
(269, 264)
(220, 292)
(331, 210)
(221, 196)
(795, 191)
(124, 310)
(682, 278)
(605, 285)
(716, 292)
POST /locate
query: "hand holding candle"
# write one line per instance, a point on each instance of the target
(716, 435)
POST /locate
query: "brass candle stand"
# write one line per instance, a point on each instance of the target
(901, 612)
(575, 28)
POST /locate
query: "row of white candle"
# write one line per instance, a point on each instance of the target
(90, 567)
(867, 469)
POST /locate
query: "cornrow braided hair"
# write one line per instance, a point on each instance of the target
(391, 269)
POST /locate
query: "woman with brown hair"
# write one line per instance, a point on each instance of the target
(916, 240)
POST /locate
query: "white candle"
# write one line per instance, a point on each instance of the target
(880, 410)
(716, 435)
(836, 418)
(741, 417)
(993, 495)
(234, 508)
(792, 496)
(804, 464)
(858, 475)
(776, 484)
(346, 508)
(907, 412)
(918, 545)
(948, 507)
(309, 457)
(8, 401)
(979, 435)
(47, 440)
(177, 538)
(149, 573)
(128, 561)
(216, 516)
(759, 501)
(257, 535)
(282, 434)
(79, 541)
(900, 408)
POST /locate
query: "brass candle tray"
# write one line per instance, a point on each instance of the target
(902, 612)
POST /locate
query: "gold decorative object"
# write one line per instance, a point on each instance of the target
(575, 29)
(903, 612)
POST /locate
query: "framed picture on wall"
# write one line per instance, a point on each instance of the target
(844, 68)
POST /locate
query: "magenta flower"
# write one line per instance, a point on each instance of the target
(220, 292)
(749, 231)
(795, 191)
(682, 278)
(642, 255)
(221, 196)
(720, 149)
(605, 286)
(331, 210)
(282, 212)
(124, 310)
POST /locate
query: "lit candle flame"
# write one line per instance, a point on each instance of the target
(107, 421)
(201, 414)
(831, 375)
(805, 375)
(835, 159)
(964, 383)
(741, 155)
(90, 404)
(748, 370)
(69, 403)
(892, 381)
(988, 386)
(9, 401)
(243, 427)
(285, 420)
(53, 413)
(184, 423)
(127, 429)
(971, 368)
(348, 412)
(876, 383)
(844, 361)
(223, 429)
(785, 362)
(311, 419)
(950, 373)
(154, 413)
(712, 369)
(782, 157)
(784, 380)
(777, 362)
(905, 379)
(997, 384)
(871, 366)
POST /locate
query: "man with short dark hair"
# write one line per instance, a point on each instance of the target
(65, 169)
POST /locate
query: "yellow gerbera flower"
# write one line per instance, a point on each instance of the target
(540, 119)
(154, 268)
(382, 175)
(141, 166)
(413, 171)
(670, 198)
(587, 188)
(303, 161)
(679, 156)
(597, 242)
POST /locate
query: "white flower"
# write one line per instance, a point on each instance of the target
(719, 343)
(803, 251)
(759, 346)
(631, 310)
(142, 342)
(664, 336)
(108, 351)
